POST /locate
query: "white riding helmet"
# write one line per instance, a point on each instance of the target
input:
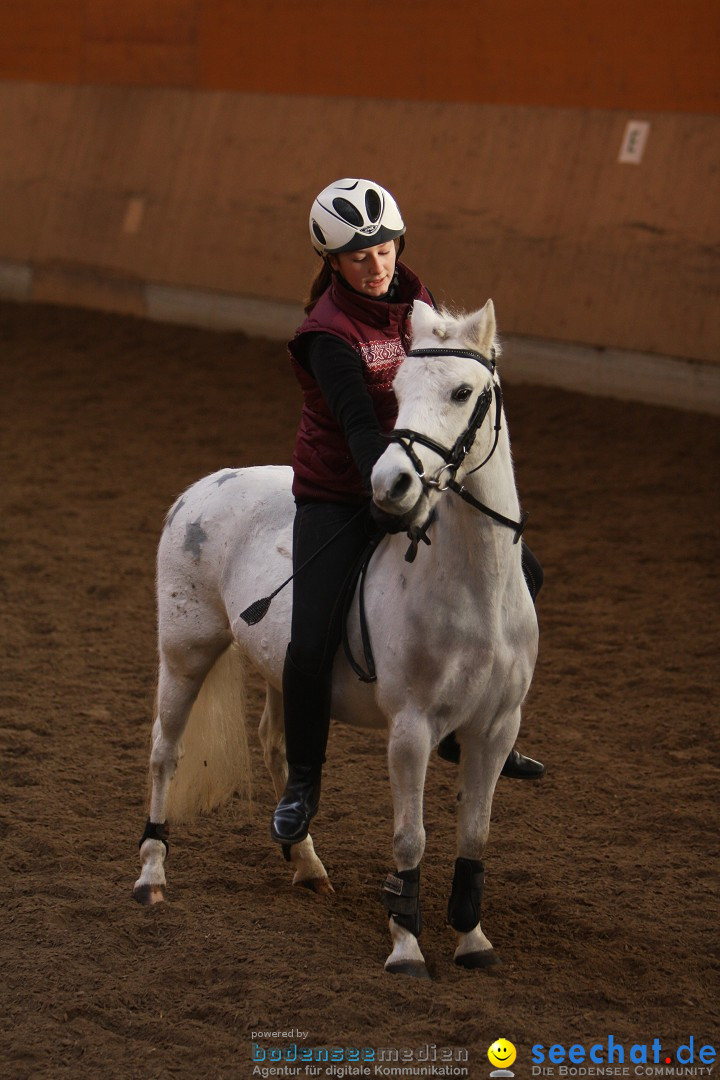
(352, 214)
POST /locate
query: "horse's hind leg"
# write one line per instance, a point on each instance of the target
(309, 870)
(408, 753)
(480, 763)
(182, 671)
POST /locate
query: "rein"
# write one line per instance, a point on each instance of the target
(453, 458)
(462, 446)
(517, 526)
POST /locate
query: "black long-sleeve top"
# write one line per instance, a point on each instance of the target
(337, 369)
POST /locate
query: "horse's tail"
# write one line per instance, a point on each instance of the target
(215, 760)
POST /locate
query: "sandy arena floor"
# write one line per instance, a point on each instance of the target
(601, 893)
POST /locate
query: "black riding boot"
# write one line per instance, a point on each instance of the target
(517, 765)
(532, 572)
(307, 721)
(299, 804)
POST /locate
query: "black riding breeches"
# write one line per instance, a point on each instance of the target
(317, 614)
(318, 598)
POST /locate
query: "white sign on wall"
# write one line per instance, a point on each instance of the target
(632, 147)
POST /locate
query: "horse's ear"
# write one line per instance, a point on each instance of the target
(481, 328)
(422, 319)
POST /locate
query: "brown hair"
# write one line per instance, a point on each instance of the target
(319, 284)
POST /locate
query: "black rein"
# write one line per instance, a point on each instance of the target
(453, 458)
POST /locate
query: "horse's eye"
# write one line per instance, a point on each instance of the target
(461, 393)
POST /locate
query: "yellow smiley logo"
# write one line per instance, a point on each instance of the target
(502, 1054)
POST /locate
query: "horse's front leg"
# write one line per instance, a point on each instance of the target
(481, 760)
(309, 870)
(408, 753)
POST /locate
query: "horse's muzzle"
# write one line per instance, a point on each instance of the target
(397, 489)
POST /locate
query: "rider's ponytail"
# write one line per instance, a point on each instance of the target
(320, 283)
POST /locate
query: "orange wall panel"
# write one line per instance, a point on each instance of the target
(580, 53)
(166, 21)
(527, 205)
(141, 43)
(41, 41)
(144, 63)
(610, 54)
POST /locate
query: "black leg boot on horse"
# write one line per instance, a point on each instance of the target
(517, 766)
(307, 722)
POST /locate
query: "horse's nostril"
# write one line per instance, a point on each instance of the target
(400, 487)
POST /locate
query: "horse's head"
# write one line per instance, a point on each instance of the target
(444, 388)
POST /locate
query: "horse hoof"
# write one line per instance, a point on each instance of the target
(320, 885)
(147, 895)
(415, 968)
(487, 959)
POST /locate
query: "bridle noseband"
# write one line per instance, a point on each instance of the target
(453, 458)
(456, 454)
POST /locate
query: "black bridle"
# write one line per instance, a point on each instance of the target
(456, 454)
(453, 458)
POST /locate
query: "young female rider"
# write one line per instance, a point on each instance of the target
(345, 355)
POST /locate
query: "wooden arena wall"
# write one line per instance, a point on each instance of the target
(179, 144)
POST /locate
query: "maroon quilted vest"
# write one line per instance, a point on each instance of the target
(379, 332)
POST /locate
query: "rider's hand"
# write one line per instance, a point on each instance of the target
(386, 523)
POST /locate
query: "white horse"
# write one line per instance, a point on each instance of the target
(454, 636)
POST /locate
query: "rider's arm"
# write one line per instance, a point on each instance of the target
(337, 369)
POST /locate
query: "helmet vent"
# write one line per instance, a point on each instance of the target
(319, 234)
(348, 212)
(373, 204)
